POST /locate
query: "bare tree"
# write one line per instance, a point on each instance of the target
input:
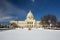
(49, 19)
(14, 25)
(58, 24)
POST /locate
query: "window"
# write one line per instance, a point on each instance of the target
(29, 22)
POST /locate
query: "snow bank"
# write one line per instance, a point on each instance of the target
(33, 34)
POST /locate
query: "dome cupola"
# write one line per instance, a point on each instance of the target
(30, 15)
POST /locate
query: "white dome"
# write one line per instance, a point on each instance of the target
(30, 15)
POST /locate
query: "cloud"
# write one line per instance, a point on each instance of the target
(9, 12)
(7, 8)
(6, 18)
(33, 0)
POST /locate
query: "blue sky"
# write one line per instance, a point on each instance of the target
(18, 9)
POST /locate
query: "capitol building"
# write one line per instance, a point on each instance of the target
(28, 22)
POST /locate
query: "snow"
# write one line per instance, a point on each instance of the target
(33, 34)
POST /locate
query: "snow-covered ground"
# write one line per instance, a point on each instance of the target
(33, 34)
